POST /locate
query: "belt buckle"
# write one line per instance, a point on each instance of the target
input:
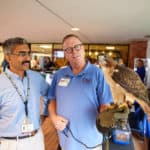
(30, 134)
(22, 137)
(33, 133)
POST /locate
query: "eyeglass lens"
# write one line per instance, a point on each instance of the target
(76, 47)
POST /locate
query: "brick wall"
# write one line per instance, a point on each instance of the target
(137, 49)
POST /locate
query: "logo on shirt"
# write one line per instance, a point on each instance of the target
(85, 80)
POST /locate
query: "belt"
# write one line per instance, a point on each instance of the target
(22, 137)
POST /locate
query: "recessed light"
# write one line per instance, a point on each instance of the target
(45, 46)
(110, 47)
(75, 29)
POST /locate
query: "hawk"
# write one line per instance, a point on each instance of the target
(128, 82)
(126, 87)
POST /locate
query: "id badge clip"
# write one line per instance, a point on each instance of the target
(26, 127)
(64, 82)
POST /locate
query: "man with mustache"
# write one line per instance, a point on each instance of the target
(20, 92)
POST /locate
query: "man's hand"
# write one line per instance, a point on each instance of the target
(113, 116)
(59, 122)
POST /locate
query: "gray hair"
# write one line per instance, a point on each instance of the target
(10, 44)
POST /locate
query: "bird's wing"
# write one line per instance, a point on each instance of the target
(131, 82)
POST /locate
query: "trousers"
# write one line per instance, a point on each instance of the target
(35, 142)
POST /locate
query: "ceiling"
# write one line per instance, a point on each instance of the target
(100, 21)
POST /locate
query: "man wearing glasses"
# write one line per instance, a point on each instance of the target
(77, 94)
(20, 92)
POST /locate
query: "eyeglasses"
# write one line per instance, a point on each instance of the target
(22, 54)
(76, 47)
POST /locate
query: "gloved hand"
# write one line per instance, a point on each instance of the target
(114, 116)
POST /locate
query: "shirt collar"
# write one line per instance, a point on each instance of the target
(12, 74)
(69, 72)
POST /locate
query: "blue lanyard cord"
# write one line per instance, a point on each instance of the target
(25, 102)
(77, 140)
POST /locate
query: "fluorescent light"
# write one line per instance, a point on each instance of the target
(46, 46)
(110, 47)
(75, 29)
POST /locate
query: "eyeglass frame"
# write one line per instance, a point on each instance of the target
(69, 50)
(22, 53)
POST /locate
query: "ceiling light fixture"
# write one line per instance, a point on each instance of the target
(75, 29)
(110, 47)
(96, 53)
(61, 18)
(90, 53)
(46, 46)
(110, 53)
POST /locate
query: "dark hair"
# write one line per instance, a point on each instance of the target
(140, 60)
(69, 36)
(11, 43)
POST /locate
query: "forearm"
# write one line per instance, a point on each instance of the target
(52, 108)
(58, 121)
(103, 107)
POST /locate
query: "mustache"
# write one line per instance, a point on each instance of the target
(25, 62)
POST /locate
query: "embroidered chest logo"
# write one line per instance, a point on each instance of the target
(85, 80)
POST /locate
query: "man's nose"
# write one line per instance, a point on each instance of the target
(28, 57)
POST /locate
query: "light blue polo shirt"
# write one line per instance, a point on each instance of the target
(78, 102)
(12, 108)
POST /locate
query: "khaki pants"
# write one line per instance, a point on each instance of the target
(35, 142)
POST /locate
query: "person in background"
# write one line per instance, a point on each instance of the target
(138, 120)
(20, 92)
(120, 62)
(5, 64)
(35, 63)
(141, 69)
(77, 94)
(48, 64)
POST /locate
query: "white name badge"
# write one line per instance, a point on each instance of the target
(26, 128)
(64, 82)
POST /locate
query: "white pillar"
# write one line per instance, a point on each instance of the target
(148, 49)
(148, 64)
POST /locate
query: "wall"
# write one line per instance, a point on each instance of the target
(137, 49)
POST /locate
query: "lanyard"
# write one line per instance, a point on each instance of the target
(25, 102)
(77, 140)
